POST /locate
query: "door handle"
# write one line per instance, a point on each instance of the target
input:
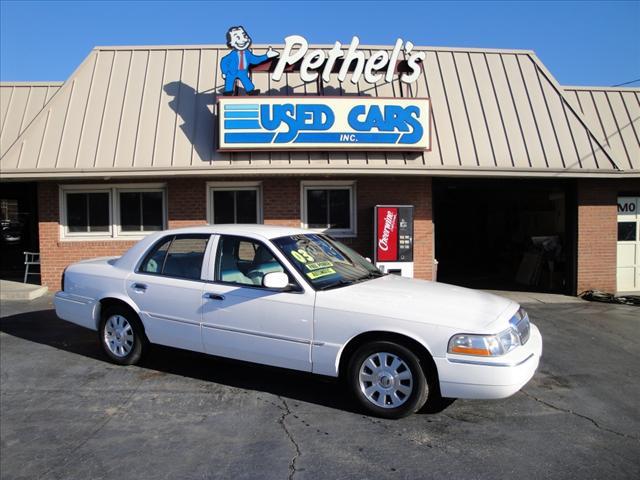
(139, 286)
(213, 296)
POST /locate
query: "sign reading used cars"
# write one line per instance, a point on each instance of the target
(324, 123)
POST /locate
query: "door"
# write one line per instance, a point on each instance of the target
(628, 263)
(243, 320)
(168, 287)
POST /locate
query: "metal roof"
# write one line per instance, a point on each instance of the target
(613, 114)
(148, 111)
(20, 102)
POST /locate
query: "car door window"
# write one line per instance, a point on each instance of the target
(244, 261)
(178, 256)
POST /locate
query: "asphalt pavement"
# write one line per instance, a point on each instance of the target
(67, 413)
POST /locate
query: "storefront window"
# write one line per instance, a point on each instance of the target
(329, 208)
(112, 211)
(626, 231)
(88, 212)
(141, 211)
(235, 204)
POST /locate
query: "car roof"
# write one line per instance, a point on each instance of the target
(130, 258)
(265, 231)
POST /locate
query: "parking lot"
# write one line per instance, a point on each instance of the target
(68, 413)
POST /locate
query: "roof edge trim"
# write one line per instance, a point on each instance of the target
(311, 45)
(599, 88)
(38, 83)
(106, 175)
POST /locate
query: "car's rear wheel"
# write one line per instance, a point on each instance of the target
(387, 379)
(121, 335)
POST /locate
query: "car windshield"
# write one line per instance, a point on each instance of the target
(325, 262)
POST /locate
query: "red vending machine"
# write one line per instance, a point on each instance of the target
(393, 233)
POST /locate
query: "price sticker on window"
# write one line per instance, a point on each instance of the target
(302, 256)
(324, 272)
(318, 265)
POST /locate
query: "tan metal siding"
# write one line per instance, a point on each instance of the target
(526, 119)
(613, 115)
(19, 104)
(130, 118)
(204, 120)
(94, 106)
(544, 123)
(75, 126)
(511, 121)
(150, 107)
(150, 110)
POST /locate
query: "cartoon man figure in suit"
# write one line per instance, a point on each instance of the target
(235, 65)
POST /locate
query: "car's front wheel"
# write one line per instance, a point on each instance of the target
(121, 335)
(387, 379)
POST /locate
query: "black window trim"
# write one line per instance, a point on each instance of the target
(173, 237)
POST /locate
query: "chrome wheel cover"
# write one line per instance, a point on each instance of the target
(118, 335)
(385, 380)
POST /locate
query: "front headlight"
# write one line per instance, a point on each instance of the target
(493, 345)
(485, 345)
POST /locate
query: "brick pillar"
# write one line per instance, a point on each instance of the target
(597, 235)
(281, 201)
(187, 202)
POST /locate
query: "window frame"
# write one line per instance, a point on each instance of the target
(204, 268)
(232, 187)
(350, 186)
(115, 229)
(297, 287)
(64, 225)
(117, 216)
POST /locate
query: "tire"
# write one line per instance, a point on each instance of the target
(387, 379)
(121, 335)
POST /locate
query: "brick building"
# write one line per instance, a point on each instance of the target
(527, 184)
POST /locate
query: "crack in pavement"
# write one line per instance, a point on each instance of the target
(110, 416)
(286, 412)
(579, 415)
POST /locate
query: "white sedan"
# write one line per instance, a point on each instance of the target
(297, 299)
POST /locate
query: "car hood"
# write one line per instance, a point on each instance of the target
(421, 301)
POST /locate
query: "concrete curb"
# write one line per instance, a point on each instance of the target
(20, 291)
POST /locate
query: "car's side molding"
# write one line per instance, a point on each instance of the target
(260, 334)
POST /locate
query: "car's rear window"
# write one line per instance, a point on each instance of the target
(178, 256)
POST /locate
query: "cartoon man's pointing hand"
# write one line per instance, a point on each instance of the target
(235, 65)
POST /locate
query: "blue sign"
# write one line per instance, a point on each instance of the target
(326, 123)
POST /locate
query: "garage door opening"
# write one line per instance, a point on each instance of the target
(505, 234)
(18, 229)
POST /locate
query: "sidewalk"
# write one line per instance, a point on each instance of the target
(536, 297)
(20, 291)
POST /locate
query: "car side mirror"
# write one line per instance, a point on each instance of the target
(276, 280)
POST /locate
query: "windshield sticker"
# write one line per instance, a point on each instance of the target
(302, 256)
(321, 273)
(319, 265)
